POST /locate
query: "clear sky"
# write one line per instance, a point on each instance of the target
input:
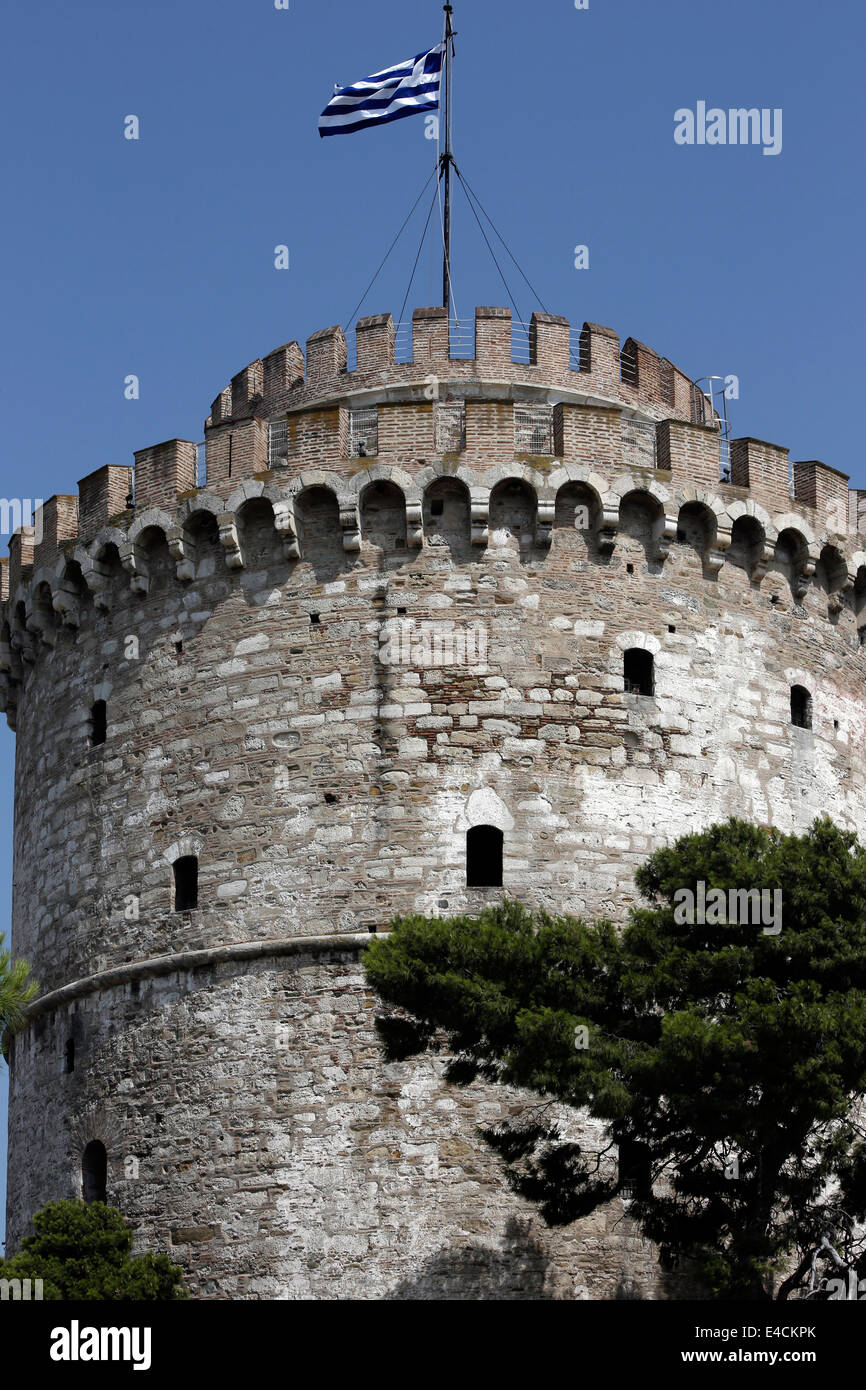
(155, 257)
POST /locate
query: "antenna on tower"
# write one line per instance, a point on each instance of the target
(713, 390)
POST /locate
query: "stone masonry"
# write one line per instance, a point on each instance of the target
(397, 608)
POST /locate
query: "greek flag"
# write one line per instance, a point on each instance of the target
(386, 96)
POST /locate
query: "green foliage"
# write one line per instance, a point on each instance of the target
(83, 1252)
(713, 1047)
(16, 990)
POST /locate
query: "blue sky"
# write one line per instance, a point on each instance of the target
(155, 257)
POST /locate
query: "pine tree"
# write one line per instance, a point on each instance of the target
(84, 1252)
(725, 1060)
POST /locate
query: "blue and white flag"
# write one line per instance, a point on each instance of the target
(403, 90)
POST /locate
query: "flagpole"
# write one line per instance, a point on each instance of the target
(446, 160)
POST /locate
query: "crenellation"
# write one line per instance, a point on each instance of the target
(550, 345)
(55, 521)
(247, 390)
(600, 357)
(689, 452)
(430, 337)
(374, 343)
(492, 339)
(825, 490)
(282, 371)
(102, 495)
(326, 355)
(163, 472)
(762, 468)
(21, 548)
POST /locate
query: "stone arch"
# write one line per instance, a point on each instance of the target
(634, 639)
(202, 553)
(749, 549)
(642, 522)
(71, 596)
(41, 618)
(577, 518)
(316, 522)
(102, 566)
(146, 554)
(447, 514)
(831, 579)
(858, 563)
(433, 472)
(256, 530)
(382, 514)
(513, 513)
(792, 559)
(698, 530)
(189, 843)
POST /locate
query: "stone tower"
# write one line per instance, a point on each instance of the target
(462, 611)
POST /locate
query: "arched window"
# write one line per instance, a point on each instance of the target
(484, 857)
(638, 672)
(185, 883)
(801, 707)
(98, 723)
(94, 1172)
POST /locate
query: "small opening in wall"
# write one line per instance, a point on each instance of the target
(484, 857)
(671, 627)
(69, 1056)
(330, 798)
(401, 612)
(629, 569)
(635, 1173)
(437, 507)
(94, 1172)
(178, 646)
(801, 707)
(638, 672)
(315, 620)
(774, 599)
(185, 883)
(98, 723)
(372, 928)
(835, 723)
(681, 537)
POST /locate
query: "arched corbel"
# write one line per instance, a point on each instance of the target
(136, 568)
(284, 522)
(666, 538)
(717, 552)
(228, 529)
(414, 523)
(544, 518)
(176, 542)
(480, 515)
(350, 523)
